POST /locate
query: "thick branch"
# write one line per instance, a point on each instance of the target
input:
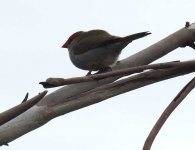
(167, 112)
(125, 85)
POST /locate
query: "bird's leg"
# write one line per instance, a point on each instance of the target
(89, 73)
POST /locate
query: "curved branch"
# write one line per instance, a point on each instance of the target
(167, 112)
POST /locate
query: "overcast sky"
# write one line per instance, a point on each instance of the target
(31, 34)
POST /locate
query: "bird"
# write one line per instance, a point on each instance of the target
(96, 50)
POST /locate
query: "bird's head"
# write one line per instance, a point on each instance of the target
(71, 38)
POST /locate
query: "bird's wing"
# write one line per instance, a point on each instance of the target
(92, 41)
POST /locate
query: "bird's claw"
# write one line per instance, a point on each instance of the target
(103, 70)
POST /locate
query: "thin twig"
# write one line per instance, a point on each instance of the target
(167, 112)
(25, 98)
(55, 82)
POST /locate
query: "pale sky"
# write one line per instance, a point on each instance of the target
(32, 33)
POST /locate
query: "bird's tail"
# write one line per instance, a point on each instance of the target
(136, 36)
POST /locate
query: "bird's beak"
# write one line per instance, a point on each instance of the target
(65, 45)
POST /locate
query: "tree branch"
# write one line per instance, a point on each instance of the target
(19, 109)
(167, 112)
(104, 92)
(66, 99)
(54, 82)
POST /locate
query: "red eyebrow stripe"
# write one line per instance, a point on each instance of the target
(74, 35)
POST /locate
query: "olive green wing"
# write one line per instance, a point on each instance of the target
(93, 40)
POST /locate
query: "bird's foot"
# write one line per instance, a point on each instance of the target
(103, 70)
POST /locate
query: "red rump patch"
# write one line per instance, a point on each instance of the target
(74, 35)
